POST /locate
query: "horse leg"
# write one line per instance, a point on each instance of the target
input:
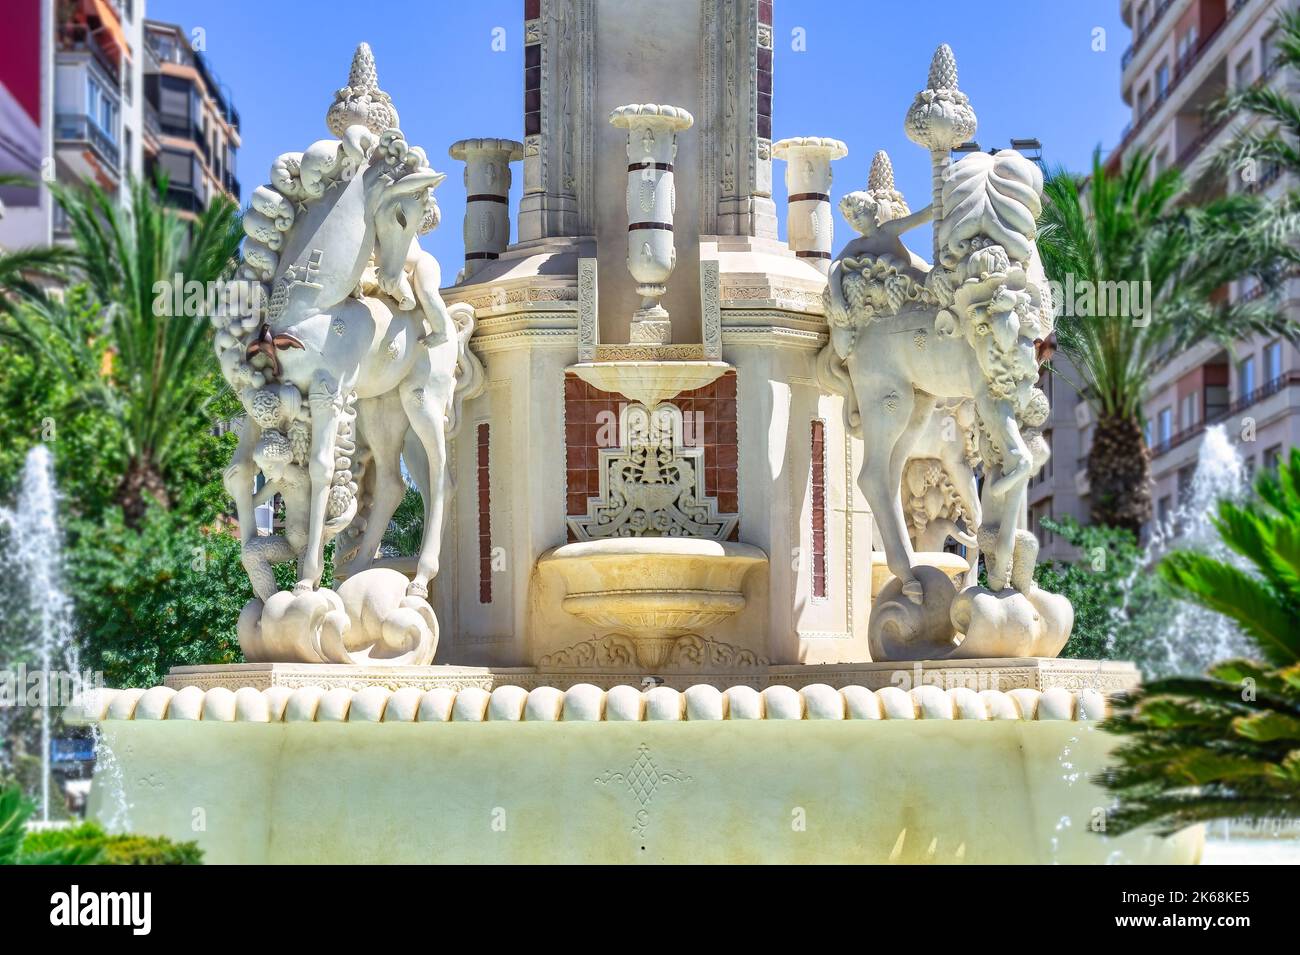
(881, 433)
(326, 410)
(383, 426)
(426, 412)
(239, 476)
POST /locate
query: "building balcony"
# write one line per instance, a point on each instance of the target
(89, 152)
(1185, 68)
(1140, 38)
(1278, 384)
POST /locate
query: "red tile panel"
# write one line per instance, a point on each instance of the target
(708, 419)
(484, 516)
(818, 464)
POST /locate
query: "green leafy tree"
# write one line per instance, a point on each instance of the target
(1119, 605)
(1131, 230)
(1225, 745)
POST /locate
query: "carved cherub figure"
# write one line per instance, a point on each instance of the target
(274, 457)
(879, 214)
(875, 275)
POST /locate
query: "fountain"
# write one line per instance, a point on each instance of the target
(34, 557)
(649, 567)
(1194, 637)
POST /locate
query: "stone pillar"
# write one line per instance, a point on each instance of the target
(810, 224)
(487, 204)
(651, 254)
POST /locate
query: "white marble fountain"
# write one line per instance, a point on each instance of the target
(700, 505)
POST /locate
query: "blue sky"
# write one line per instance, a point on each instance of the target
(864, 60)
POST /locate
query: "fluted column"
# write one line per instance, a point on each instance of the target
(810, 225)
(487, 204)
(651, 254)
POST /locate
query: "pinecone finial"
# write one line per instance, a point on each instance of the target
(363, 75)
(881, 176)
(943, 69)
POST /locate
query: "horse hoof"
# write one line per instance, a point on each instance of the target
(303, 587)
(417, 589)
(913, 591)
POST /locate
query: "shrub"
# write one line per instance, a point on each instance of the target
(114, 850)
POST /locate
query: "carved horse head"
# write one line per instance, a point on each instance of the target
(402, 206)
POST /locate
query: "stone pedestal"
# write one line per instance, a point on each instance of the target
(487, 203)
(810, 223)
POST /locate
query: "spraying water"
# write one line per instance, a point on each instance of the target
(1196, 637)
(34, 557)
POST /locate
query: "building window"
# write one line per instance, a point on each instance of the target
(1244, 73)
(1273, 361)
(484, 518)
(1272, 457)
(1162, 79)
(1191, 410)
(818, 465)
(1187, 45)
(1185, 477)
(1144, 99)
(1246, 377)
(1164, 510)
(101, 110)
(1166, 424)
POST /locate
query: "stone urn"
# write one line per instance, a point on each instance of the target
(651, 198)
(655, 590)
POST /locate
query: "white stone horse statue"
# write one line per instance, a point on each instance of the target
(905, 338)
(353, 358)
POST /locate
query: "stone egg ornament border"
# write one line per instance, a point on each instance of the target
(582, 703)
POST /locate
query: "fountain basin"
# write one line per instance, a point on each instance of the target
(649, 382)
(403, 777)
(655, 590)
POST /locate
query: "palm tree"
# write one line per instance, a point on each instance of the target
(1171, 261)
(157, 379)
(1227, 745)
(22, 269)
(406, 529)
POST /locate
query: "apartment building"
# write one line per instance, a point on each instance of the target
(90, 91)
(192, 127)
(71, 104)
(1184, 56)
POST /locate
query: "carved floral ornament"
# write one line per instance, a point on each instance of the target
(652, 483)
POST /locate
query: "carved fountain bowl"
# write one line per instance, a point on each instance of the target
(655, 590)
